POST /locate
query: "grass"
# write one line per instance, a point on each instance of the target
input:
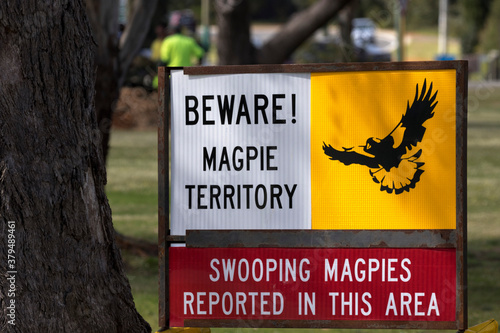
(483, 203)
(133, 183)
(132, 192)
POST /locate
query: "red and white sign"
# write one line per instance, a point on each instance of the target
(371, 284)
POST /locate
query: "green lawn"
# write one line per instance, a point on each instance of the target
(132, 193)
(483, 203)
(133, 183)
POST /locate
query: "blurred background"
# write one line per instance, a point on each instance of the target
(130, 33)
(285, 31)
(309, 31)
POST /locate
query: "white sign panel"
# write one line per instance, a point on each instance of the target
(233, 138)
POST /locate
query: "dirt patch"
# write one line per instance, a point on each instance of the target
(136, 108)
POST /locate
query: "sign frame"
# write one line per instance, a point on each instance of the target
(446, 238)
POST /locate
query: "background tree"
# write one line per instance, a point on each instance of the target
(70, 276)
(234, 45)
(345, 17)
(115, 51)
(473, 15)
(423, 14)
(490, 36)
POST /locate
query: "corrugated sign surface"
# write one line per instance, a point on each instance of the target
(344, 150)
(312, 284)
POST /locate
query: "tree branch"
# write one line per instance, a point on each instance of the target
(136, 246)
(134, 34)
(297, 30)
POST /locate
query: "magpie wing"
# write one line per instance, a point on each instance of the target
(349, 157)
(416, 115)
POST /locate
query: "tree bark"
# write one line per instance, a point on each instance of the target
(69, 272)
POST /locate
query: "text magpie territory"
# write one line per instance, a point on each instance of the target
(244, 110)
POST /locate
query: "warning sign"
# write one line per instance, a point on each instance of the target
(312, 284)
(320, 196)
(348, 150)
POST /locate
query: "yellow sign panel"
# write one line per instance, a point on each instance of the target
(383, 150)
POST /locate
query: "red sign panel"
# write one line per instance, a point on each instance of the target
(371, 284)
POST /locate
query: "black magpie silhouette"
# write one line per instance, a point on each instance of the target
(389, 162)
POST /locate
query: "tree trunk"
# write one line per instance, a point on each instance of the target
(68, 272)
(345, 18)
(233, 39)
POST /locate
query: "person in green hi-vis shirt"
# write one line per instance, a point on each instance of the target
(179, 50)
